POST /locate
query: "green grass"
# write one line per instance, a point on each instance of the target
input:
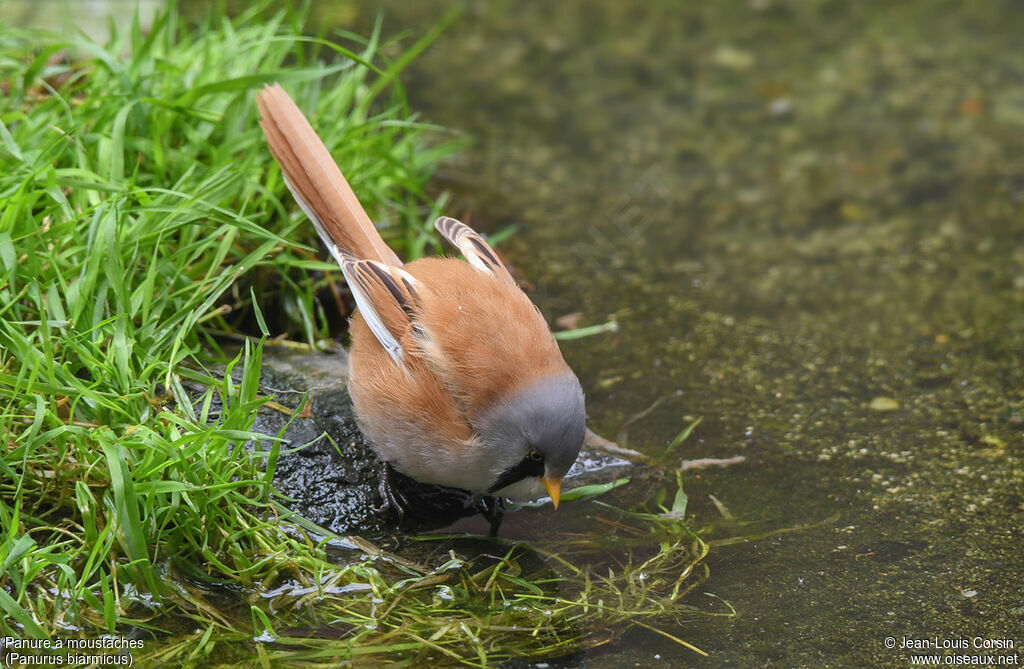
(140, 215)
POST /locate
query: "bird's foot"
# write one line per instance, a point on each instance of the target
(493, 510)
(392, 498)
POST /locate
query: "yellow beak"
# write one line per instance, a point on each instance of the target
(554, 486)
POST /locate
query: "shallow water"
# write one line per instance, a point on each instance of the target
(807, 219)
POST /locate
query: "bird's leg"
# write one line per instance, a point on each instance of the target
(389, 494)
(493, 510)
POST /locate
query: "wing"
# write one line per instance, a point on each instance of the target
(387, 296)
(473, 247)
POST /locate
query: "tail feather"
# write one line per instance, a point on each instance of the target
(315, 180)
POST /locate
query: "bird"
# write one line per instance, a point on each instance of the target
(455, 377)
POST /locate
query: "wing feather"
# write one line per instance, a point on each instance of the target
(387, 298)
(473, 247)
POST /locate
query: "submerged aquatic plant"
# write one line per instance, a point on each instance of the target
(480, 606)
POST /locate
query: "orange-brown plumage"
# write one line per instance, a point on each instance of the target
(475, 317)
(311, 170)
(455, 376)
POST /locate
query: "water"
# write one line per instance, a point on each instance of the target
(807, 219)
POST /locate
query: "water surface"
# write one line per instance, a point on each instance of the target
(807, 219)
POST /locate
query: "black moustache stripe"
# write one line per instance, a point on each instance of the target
(526, 467)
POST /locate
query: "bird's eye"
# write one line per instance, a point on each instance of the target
(536, 456)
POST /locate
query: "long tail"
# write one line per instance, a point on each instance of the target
(316, 182)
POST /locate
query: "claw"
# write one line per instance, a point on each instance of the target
(390, 496)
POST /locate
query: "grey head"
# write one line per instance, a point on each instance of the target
(531, 438)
